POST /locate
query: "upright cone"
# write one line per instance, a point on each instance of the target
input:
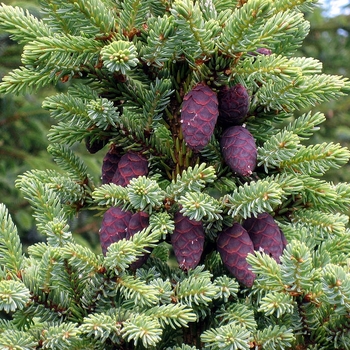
(198, 116)
(187, 241)
(233, 245)
(265, 235)
(113, 228)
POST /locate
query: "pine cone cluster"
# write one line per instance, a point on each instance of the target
(259, 233)
(202, 108)
(117, 223)
(121, 169)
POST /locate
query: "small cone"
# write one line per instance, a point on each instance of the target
(198, 116)
(188, 241)
(233, 245)
(113, 228)
(265, 235)
(233, 105)
(110, 165)
(131, 165)
(239, 150)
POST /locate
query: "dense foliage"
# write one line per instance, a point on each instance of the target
(140, 75)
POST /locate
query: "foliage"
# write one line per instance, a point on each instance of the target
(128, 65)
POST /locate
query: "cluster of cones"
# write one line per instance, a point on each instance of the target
(202, 110)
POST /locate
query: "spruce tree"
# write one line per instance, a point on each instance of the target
(218, 229)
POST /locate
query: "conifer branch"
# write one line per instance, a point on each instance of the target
(62, 51)
(316, 159)
(142, 328)
(11, 258)
(239, 314)
(13, 295)
(232, 335)
(22, 26)
(254, 198)
(274, 337)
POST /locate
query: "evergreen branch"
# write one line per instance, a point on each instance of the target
(297, 271)
(111, 195)
(22, 26)
(343, 195)
(293, 29)
(133, 126)
(50, 215)
(301, 5)
(241, 31)
(164, 288)
(334, 250)
(103, 113)
(208, 9)
(279, 148)
(61, 51)
(97, 13)
(277, 303)
(68, 133)
(122, 254)
(254, 198)
(201, 34)
(63, 336)
(174, 315)
(274, 67)
(13, 295)
(157, 97)
(133, 15)
(336, 288)
(316, 159)
(160, 40)
(267, 270)
(142, 328)
(319, 194)
(290, 184)
(90, 17)
(11, 256)
(161, 222)
(17, 339)
(69, 190)
(198, 205)
(192, 179)
(137, 290)
(82, 259)
(68, 108)
(25, 79)
(305, 125)
(100, 326)
(196, 290)
(228, 287)
(242, 34)
(240, 314)
(145, 194)
(69, 162)
(274, 337)
(231, 336)
(161, 140)
(302, 92)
